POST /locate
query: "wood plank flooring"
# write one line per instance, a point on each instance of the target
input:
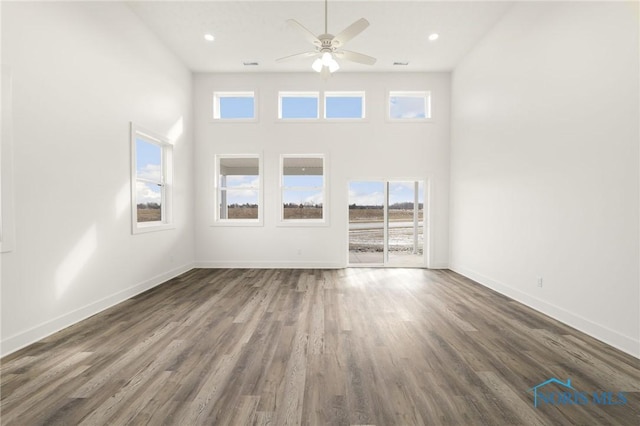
(317, 347)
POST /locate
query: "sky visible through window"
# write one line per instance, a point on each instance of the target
(307, 107)
(237, 107)
(299, 107)
(343, 107)
(371, 193)
(302, 189)
(403, 107)
(242, 189)
(148, 167)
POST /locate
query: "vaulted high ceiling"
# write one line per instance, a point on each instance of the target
(257, 31)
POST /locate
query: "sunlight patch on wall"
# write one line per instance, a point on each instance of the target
(123, 198)
(176, 131)
(75, 261)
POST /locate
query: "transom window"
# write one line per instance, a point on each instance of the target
(234, 105)
(344, 105)
(302, 187)
(238, 189)
(409, 105)
(298, 105)
(151, 180)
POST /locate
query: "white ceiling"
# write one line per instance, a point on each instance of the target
(248, 31)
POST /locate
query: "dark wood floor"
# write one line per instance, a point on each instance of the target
(325, 347)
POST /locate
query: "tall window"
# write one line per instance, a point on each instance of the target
(234, 106)
(238, 189)
(298, 105)
(151, 180)
(344, 105)
(302, 187)
(409, 105)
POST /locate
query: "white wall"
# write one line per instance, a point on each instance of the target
(544, 175)
(374, 148)
(81, 72)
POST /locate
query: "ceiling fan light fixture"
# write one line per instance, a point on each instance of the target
(326, 60)
(317, 65)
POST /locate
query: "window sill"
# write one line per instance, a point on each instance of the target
(240, 222)
(303, 223)
(143, 229)
(235, 120)
(409, 120)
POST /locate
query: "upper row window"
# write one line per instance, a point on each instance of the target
(409, 105)
(403, 105)
(234, 105)
(338, 105)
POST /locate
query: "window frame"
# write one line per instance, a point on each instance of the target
(324, 221)
(218, 94)
(298, 94)
(166, 181)
(344, 94)
(215, 214)
(426, 94)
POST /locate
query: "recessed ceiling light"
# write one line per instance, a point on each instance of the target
(209, 37)
(433, 37)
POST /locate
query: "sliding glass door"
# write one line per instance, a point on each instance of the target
(366, 223)
(405, 223)
(386, 223)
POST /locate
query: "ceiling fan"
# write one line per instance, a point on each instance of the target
(329, 47)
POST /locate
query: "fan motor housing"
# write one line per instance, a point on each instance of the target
(327, 41)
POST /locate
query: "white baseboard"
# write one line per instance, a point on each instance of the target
(598, 331)
(18, 341)
(269, 265)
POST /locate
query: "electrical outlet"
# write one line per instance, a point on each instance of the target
(540, 281)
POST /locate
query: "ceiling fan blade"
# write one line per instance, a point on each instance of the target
(356, 57)
(311, 37)
(297, 56)
(350, 32)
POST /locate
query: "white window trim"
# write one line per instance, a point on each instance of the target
(325, 194)
(410, 94)
(344, 94)
(235, 94)
(167, 176)
(298, 94)
(215, 214)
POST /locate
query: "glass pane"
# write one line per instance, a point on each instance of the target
(405, 223)
(149, 201)
(407, 106)
(343, 107)
(366, 222)
(239, 173)
(303, 172)
(302, 204)
(236, 107)
(239, 204)
(148, 160)
(299, 107)
(295, 181)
